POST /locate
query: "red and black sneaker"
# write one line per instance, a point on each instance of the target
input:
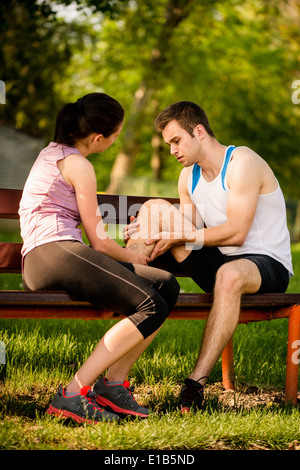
(191, 396)
(119, 398)
(81, 407)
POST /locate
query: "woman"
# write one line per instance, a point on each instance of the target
(59, 194)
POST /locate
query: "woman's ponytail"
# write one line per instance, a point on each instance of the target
(95, 112)
(66, 128)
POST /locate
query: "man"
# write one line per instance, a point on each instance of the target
(243, 246)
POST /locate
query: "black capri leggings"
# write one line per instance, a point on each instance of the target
(144, 294)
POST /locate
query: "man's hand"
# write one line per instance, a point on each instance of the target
(164, 241)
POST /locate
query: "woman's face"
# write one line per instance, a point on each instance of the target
(108, 141)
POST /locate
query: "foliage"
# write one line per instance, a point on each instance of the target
(35, 50)
(237, 59)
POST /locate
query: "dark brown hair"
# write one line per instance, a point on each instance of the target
(187, 114)
(95, 112)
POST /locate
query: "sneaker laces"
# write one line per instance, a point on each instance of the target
(126, 395)
(90, 396)
(129, 387)
(190, 390)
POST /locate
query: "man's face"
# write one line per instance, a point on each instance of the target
(183, 146)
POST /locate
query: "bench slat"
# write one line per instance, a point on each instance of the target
(11, 260)
(10, 257)
(117, 209)
(9, 203)
(87, 312)
(122, 207)
(43, 304)
(184, 299)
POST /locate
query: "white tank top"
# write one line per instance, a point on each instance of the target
(268, 234)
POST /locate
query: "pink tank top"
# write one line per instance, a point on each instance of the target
(48, 208)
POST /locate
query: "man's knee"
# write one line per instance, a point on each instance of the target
(155, 215)
(155, 204)
(229, 279)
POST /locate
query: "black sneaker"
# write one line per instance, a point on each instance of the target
(119, 398)
(81, 407)
(191, 396)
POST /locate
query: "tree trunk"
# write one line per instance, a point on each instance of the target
(156, 157)
(296, 231)
(125, 160)
(176, 11)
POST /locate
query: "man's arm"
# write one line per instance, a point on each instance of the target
(244, 177)
(187, 207)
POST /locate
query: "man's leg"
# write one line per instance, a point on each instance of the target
(233, 279)
(155, 216)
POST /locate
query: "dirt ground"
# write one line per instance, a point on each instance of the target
(246, 396)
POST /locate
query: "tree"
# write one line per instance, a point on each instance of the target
(237, 59)
(145, 101)
(35, 50)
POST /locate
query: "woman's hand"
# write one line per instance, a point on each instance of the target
(138, 258)
(130, 229)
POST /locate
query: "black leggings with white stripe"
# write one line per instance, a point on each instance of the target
(144, 294)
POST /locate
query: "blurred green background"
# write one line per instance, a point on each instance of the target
(237, 59)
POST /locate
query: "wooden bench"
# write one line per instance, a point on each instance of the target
(59, 305)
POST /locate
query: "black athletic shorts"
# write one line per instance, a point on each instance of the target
(202, 266)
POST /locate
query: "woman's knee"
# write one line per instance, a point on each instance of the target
(171, 290)
(168, 287)
(153, 312)
(161, 281)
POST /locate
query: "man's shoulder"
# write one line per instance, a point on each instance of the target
(183, 180)
(185, 172)
(243, 151)
(245, 157)
(247, 166)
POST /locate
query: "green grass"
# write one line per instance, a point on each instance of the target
(42, 354)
